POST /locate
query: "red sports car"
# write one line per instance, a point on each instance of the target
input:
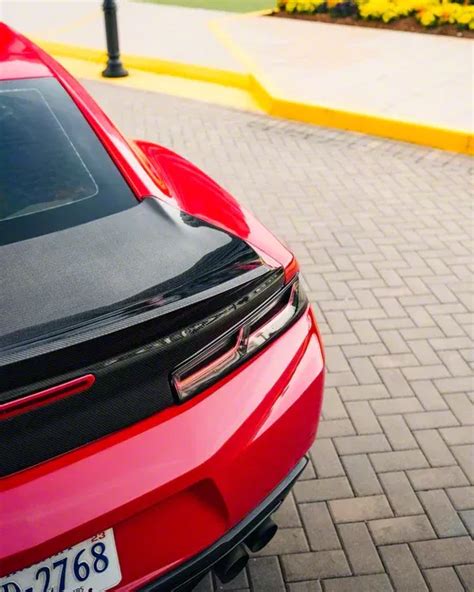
(161, 373)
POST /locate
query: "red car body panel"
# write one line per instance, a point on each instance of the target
(184, 182)
(206, 463)
(18, 57)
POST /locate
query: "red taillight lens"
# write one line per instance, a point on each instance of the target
(46, 396)
(291, 270)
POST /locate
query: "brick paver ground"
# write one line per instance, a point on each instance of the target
(383, 231)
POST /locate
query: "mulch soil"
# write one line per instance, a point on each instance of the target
(408, 24)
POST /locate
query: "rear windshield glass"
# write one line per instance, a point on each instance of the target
(54, 172)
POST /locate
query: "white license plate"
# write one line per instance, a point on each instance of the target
(90, 566)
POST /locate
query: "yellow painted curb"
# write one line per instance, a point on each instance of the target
(73, 51)
(196, 90)
(406, 131)
(277, 106)
(384, 127)
(154, 65)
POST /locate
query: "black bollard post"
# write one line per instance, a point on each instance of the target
(114, 67)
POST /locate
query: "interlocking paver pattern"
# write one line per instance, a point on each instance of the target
(383, 232)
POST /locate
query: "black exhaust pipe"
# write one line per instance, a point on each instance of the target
(232, 564)
(261, 536)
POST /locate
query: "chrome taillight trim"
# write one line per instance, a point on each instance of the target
(240, 343)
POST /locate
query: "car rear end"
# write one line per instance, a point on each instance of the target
(160, 378)
(176, 483)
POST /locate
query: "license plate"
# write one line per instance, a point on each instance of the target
(90, 566)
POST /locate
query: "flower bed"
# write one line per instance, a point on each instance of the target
(435, 16)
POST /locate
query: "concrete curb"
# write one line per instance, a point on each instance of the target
(278, 106)
(153, 65)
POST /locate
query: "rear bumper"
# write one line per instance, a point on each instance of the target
(199, 565)
(174, 484)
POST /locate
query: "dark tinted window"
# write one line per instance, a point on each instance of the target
(54, 172)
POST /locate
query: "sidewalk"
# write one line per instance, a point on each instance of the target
(406, 86)
(415, 77)
(157, 31)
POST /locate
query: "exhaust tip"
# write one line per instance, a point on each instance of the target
(261, 536)
(232, 564)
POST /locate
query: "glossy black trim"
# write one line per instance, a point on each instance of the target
(191, 571)
(226, 306)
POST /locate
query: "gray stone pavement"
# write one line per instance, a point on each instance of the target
(383, 232)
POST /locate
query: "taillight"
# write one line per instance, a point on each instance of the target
(240, 343)
(45, 397)
(291, 270)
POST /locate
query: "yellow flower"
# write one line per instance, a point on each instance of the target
(308, 7)
(427, 12)
(445, 11)
(427, 18)
(390, 15)
(464, 17)
(375, 9)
